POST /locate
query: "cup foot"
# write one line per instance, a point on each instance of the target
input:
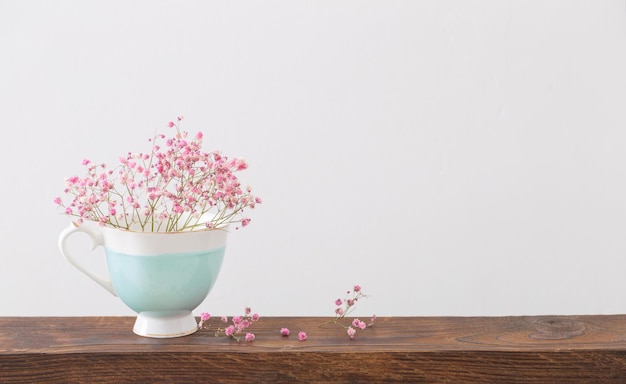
(165, 324)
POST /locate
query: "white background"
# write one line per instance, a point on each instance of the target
(452, 157)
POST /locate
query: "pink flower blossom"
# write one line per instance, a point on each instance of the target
(255, 317)
(204, 316)
(302, 336)
(224, 319)
(284, 331)
(241, 165)
(158, 189)
(244, 324)
(249, 337)
(348, 305)
(230, 330)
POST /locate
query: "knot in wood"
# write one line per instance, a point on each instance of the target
(557, 328)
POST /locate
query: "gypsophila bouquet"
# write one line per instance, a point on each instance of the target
(173, 187)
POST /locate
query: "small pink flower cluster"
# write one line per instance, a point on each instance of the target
(173, 188)
(301, 335)
(239, 325)
(347, 305)
(356, 324)
(204, 317)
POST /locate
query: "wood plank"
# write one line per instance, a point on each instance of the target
(566, 349)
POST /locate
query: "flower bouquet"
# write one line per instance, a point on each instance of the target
(173, 187)
(163, 220)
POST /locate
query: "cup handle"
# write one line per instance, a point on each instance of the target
(96, 240)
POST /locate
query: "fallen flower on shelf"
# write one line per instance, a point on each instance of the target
(238, 326)
(343, 308)
(204, 317)
(346, 306)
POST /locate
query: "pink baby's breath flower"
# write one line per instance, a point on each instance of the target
(284, 331)
(248, 310)
(230, 330)
(204, 316)
(224, 319)
(346, 306)
(236, 319)
(302, 336)
(157, 188)
(241, 165)
(249, 337)
(356, 323)
(255, 317)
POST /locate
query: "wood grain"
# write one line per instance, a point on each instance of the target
(554, 349)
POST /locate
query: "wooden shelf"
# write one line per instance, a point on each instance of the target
(568, 349)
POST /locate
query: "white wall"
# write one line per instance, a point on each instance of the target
(452, 157)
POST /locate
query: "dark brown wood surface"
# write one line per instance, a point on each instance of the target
(538, 349)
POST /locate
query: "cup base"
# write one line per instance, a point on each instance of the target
(165, 324)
